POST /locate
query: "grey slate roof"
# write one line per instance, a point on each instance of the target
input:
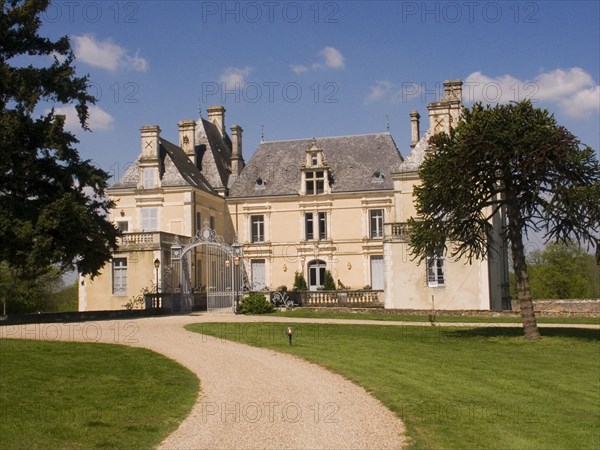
(352, 161)
(176, 169)
(417, 155)
(214, 153)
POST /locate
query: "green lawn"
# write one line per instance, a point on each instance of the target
(73, 395)
(459, 387)
(440, 317)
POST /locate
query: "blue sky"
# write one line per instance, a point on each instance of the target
(310, 69)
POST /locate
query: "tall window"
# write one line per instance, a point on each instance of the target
(377, 272)
(308, 226)
(150, 177)
(212, 222)
(119, 272)
(257, 228)
(149, 219)
(316, 274)
(257, 267)
(322, 225)
(435, 271)
(316, 230)
(315, 182)
(198, 221)
(376, 223)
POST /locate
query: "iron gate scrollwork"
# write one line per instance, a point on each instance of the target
(209, 270)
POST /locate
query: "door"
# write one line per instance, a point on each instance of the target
(377, 272)
(259, 279)
(316, 274)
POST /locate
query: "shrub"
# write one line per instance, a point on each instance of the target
(256, 304)
(328, 283)
(299, 282)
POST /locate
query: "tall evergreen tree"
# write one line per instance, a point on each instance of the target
(512, 158)
(53, 208)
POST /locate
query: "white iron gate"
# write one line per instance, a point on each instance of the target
(210, 271)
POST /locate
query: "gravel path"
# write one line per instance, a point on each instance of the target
(250, 397)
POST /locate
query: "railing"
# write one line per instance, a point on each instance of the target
(347, 298)
(398, 231)
(146, 240)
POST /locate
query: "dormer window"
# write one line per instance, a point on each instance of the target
(150, 177)
(315, 172)
(377, 177)
(259, 184)
(315, 182)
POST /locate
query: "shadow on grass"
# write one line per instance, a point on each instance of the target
(573, 333)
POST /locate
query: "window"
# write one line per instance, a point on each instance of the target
(149, 219)
(260, 184)
(119, 270)
(320, 232)
(257, 267)
(435, 271)
(377, 272)
(316, 274)
(257, 228)
(376, 223)
(308, 226)
(322, 225)
(212, 222)
(150, 177)
(377, 177)
(314, 160)
(198, 221)
(123, 226)
(315, 182)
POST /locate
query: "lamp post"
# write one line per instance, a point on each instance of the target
(157, 266)
(236, 262)
(290, 333)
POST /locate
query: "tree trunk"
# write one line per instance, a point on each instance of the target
(530, 327)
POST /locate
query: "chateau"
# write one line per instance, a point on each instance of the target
(337, 204)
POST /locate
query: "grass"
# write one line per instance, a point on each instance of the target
(74, 395)
(459, 387)
(440, 317)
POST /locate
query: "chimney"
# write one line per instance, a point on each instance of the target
(453, 90)
(216, 115)
(445, 114)
(187, 138)
(414, 127)
(150, 135)
(237, 158)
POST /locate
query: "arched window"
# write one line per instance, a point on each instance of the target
(259, 183)
(377, 177)
(316, 274)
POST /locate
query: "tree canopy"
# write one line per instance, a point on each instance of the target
(53, 208)
(512, 161)
(562, 271)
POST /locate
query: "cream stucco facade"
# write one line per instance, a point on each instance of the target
(335, 203)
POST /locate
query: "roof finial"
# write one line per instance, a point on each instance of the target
(387, 122)
(262, 133)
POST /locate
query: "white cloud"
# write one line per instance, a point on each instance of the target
(574, 91)
(107, 54)
(380, 90)
(98, 120)
(234, 77)
(299, 69)
(331, 58)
